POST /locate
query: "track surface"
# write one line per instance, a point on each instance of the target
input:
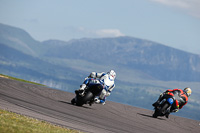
(54, 106)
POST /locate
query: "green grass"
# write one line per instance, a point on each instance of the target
(9, 77)
(14, 123)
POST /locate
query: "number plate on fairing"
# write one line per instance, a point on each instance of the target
(170, 101)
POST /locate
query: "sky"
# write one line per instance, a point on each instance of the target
(175, 23)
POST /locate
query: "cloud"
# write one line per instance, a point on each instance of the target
(109, 33)
(101, 32)
(192, 7)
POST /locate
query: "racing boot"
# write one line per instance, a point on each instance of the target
(96, 100)
(99, 101)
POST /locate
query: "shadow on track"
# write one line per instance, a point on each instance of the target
(150, 116)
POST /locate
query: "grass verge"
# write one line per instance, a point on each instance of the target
(14, 123)
(9, 77)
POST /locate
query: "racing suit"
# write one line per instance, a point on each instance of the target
(183, 99)
(108, 81)
(180, 101)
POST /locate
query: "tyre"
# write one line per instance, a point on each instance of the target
(87, 97)
(73, 101)
(155, 115)
(163, 109)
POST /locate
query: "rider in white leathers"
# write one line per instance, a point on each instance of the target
(108, 79)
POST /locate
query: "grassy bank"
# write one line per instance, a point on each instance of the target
(15, 123)
(9, 77)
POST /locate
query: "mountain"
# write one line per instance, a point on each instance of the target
(18, 39)
(19, 64)
(144, 68)
(156, 60)
(149, 59)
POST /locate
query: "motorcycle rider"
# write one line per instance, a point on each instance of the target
(108, 80)
(179, 103)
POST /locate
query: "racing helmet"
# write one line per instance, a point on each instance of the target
(187, 91)
(112, 74)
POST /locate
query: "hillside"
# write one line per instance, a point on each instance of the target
(155, 60)
(19, 64)
(18, 39)
(149, 59)
(144, 68)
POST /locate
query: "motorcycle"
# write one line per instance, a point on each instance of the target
(92, 90)
(166, 105)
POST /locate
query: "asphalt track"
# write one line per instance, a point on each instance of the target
(54, 106)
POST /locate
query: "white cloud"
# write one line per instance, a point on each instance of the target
(176, 3)
(192, 7)
(109, 33)
(100, 33)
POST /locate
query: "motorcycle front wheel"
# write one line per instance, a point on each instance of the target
(161, 111)
(86, 98)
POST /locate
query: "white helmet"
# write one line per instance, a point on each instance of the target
(112, 74)
(187, 91)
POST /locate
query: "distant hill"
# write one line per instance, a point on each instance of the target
(152, 59)
(144, 68)
(19, 64)
(18, 39)
(158, 61)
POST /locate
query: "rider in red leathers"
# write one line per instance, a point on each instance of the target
(181, 99)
